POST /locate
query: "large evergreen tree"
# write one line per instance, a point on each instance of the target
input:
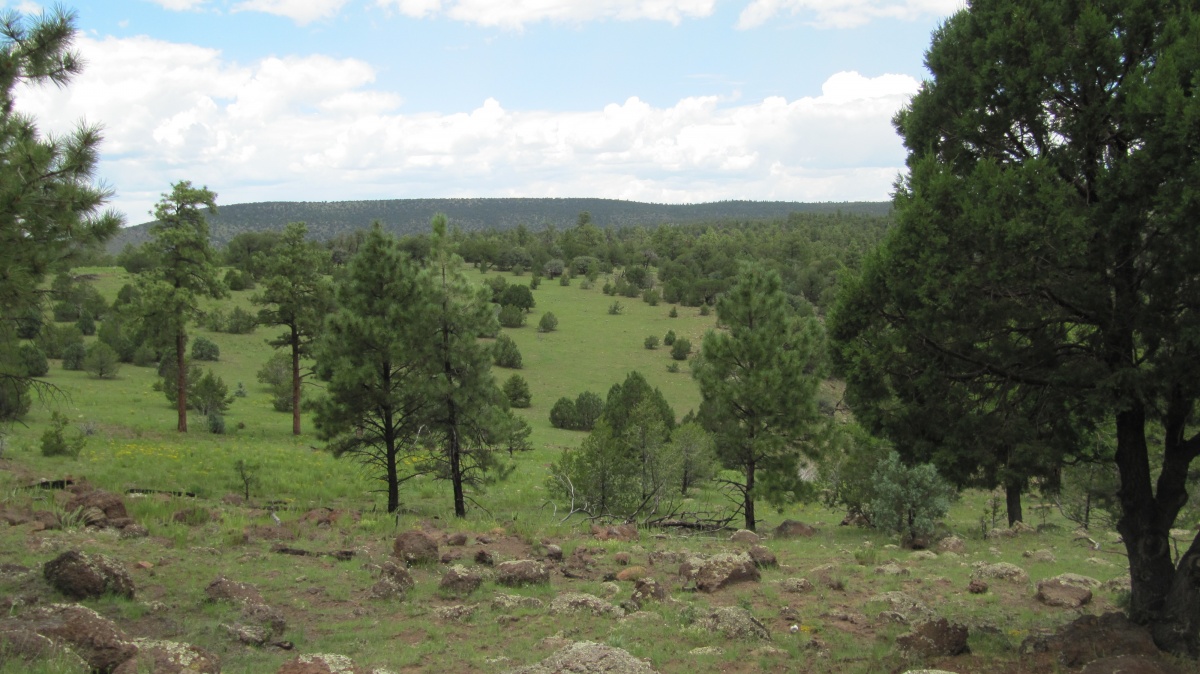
(758, 382)
(1045, 258)
(49, 208)
(186, 272)
(295, 295)
(374, 357)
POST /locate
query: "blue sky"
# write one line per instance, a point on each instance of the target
(675, 101)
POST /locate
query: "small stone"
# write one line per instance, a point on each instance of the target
(745, 536)
(554, 553)
(621, 558)
(795, 585)
(977, 587)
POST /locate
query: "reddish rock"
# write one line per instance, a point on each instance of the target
(458, 580)
(762, 556)
(977, 587)
(936, 638)
(92, 637)
(415, 548)
(794, 529)
(485, 558)
(1130, 664)
(1055, 592)
(169, 657)
(621, 558)
(1091, 638)
(394, 582)
(522, 572)
(726, 569)
(81, 576)
(745, 536)
(456, 539)
(111, 506)
(223, 589)
(194, 516)
(621, 532)
(632, 573)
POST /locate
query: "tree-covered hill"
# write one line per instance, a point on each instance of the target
(407, 216)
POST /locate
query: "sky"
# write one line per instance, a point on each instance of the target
(663, 101)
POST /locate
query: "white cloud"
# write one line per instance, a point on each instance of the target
(845, 13)
(517, 13)
(300, 11)
(313, 128)
(179, 5)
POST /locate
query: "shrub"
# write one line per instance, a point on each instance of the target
(239, 280)
(144, 356)
(55, 442)
(65, 312)
(505, 353)
(101, 361)
(586, 284)
(204, 348)
(86, 324)
(497, 284)
(548, 323)
(216, 423)
(588, 408)
(674, 312)
(615, 309)
(276, 373)
(54, 339)
(209, 395)
(908, 499)
(681, 349)
(29, 324)
(704, 310)
(518, 296)
(673, 368)
(512, 316)
(240, 322)
(607, 289)
(535, 281)
(651, 296)
(564, 280)
(553, 267)
(214, 319)
(563, 415)
(516, 389)
(34, 361)
(669, 338)
(651, 342)
(73, 356)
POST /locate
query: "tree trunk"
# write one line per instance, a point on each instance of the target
(1179, 630)
(748, 506)
(181, 381)
(393, 479)
(295, 381)
(1012, 499)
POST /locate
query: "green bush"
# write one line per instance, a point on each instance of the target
(216, 423)
(588, 408)
(651, 296)
(535, 281)
(240, 322)
(73, 356)
(209, 395)
(144, 356)
(505, 353)
(516, 389)
(674, 312)
(86, 324)
(615, 309)
(204, 348)
(55, 442)
(512, 316)
(239, 280)
(704, 310)
(651, 342)
(908, 500)
(276, 373)
(548, 323)
(681, 349)
(563, 415)
(669, 338)
(101, 361)
(34, 361)
(564, 280)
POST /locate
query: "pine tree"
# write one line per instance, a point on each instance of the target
(758, 382)
(295, 295)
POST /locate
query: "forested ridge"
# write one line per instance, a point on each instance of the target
(409, 216)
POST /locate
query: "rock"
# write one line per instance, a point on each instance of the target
(621, 558)
(647, 590)
(735, 623)
(610, 589)
(1054, 592)
(458, 580)
(707, 650)
(977, 587)
(631, 573)
(762, 557)
(323, 663)
(1090, 638)
(745, 536)
(1044, 556)
(793, 529)
(193, 516)
(522, 572)
(394, 582)
(415, 548)
(725, 569)
(891, 569)
(577, 602)
(909, 608)
(936, 638)
(92, 637)
(1118, 584)
(19, 643)
(1078, 580)
(265, 617)
(923, 556)
(586, 657)
(251, 635)
(457, 539)
(621, 532)
(223, 589)
(508, 602)
(1022, 528)
(169, 657)
(795, 585)
(134, 531)
(458, 612)
(554, 553)
(668, 557)
(1129, 664)
(110, 506)
(485, 558)
(951, 544)
(996, 534)
(1000, 571)
(1099, 562)
(81, 576)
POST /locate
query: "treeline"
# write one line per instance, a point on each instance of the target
(327, 220)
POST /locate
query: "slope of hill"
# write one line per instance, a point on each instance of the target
(407, 216)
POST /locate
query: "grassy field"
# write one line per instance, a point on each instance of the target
(841, 624)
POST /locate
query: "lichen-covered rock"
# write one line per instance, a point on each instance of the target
(951, 544)
(891, 569)
(508, 602)
(735, 623)
(909, 608)
(762, 557)
(394, 582)
(169, 657)
(522, 572)
(88, 634)
(578, 602)
(1092, 637)
(1055, 592)
(459, 580)
(223, 589)
(415, 548)
(82, 576)
(586, 657)
(795, 585)
(745, 536)
(936, 638)
(25, 645)
(1000, 571)
(458, 612)
(1044, 556)
(725, 569)
(324, 663)
(554, 552)
(646, 590)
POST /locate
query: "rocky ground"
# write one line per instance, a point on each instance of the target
(91, 588)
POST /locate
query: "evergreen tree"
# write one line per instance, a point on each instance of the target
(758, 382)
(296, 296)
(187, 270)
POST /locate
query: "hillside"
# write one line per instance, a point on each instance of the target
(407, 216)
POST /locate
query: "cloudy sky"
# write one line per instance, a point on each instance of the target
(676, 101)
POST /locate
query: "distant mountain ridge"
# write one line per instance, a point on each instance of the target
(410, 216)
